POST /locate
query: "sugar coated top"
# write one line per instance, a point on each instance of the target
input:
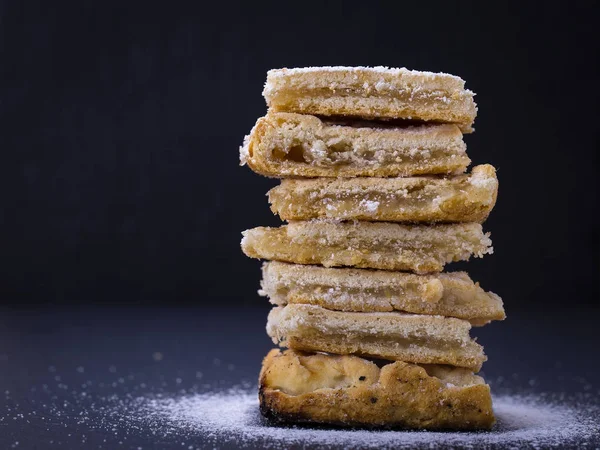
(357, 69)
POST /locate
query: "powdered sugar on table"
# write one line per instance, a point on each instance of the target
(233, 416)
(131, 410)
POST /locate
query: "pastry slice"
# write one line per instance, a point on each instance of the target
(446, 294)
(386, 335)
(317, 388)
(372, 93)
(370, 245)
(287, 144)
(461, 198)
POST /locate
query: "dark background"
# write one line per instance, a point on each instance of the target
(120, 126)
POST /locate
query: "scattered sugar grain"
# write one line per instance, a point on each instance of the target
(214, 417)
(369, 205)
(233, 415)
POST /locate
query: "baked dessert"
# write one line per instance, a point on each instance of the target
(352, 391)
(377, 198)
(450, 294)
(371, 93)
(461, 198)
(395, 336)
(288, 144)
(371, 245)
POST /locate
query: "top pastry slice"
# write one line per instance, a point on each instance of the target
(372, 93)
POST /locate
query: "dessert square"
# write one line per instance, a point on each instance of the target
(371, 245)
(372, 93)
(460, 198)
(352, 391)
(299, 145)
(395, 336)
(451, 294)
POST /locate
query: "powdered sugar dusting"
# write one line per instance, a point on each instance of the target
(483, 181)
(369, 206)
(376, 70)
(167, 415)
(245, 151)
(233, 416)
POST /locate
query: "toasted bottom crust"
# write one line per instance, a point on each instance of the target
(351, 391)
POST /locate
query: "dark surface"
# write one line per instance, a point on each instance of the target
(120, 125)
(140, 351)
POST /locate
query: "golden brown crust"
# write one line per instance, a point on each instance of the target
(299, 145)
(461, 198)
(351, 391)
(371, 92)
(451, 294)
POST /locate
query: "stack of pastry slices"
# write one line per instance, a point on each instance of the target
(377, 201)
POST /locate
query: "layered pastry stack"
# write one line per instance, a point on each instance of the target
(377, 201)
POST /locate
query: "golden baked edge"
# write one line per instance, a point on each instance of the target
(350, 391)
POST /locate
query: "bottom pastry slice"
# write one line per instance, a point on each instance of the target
(346, 390)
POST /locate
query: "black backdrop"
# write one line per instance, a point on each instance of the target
(120, 128)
